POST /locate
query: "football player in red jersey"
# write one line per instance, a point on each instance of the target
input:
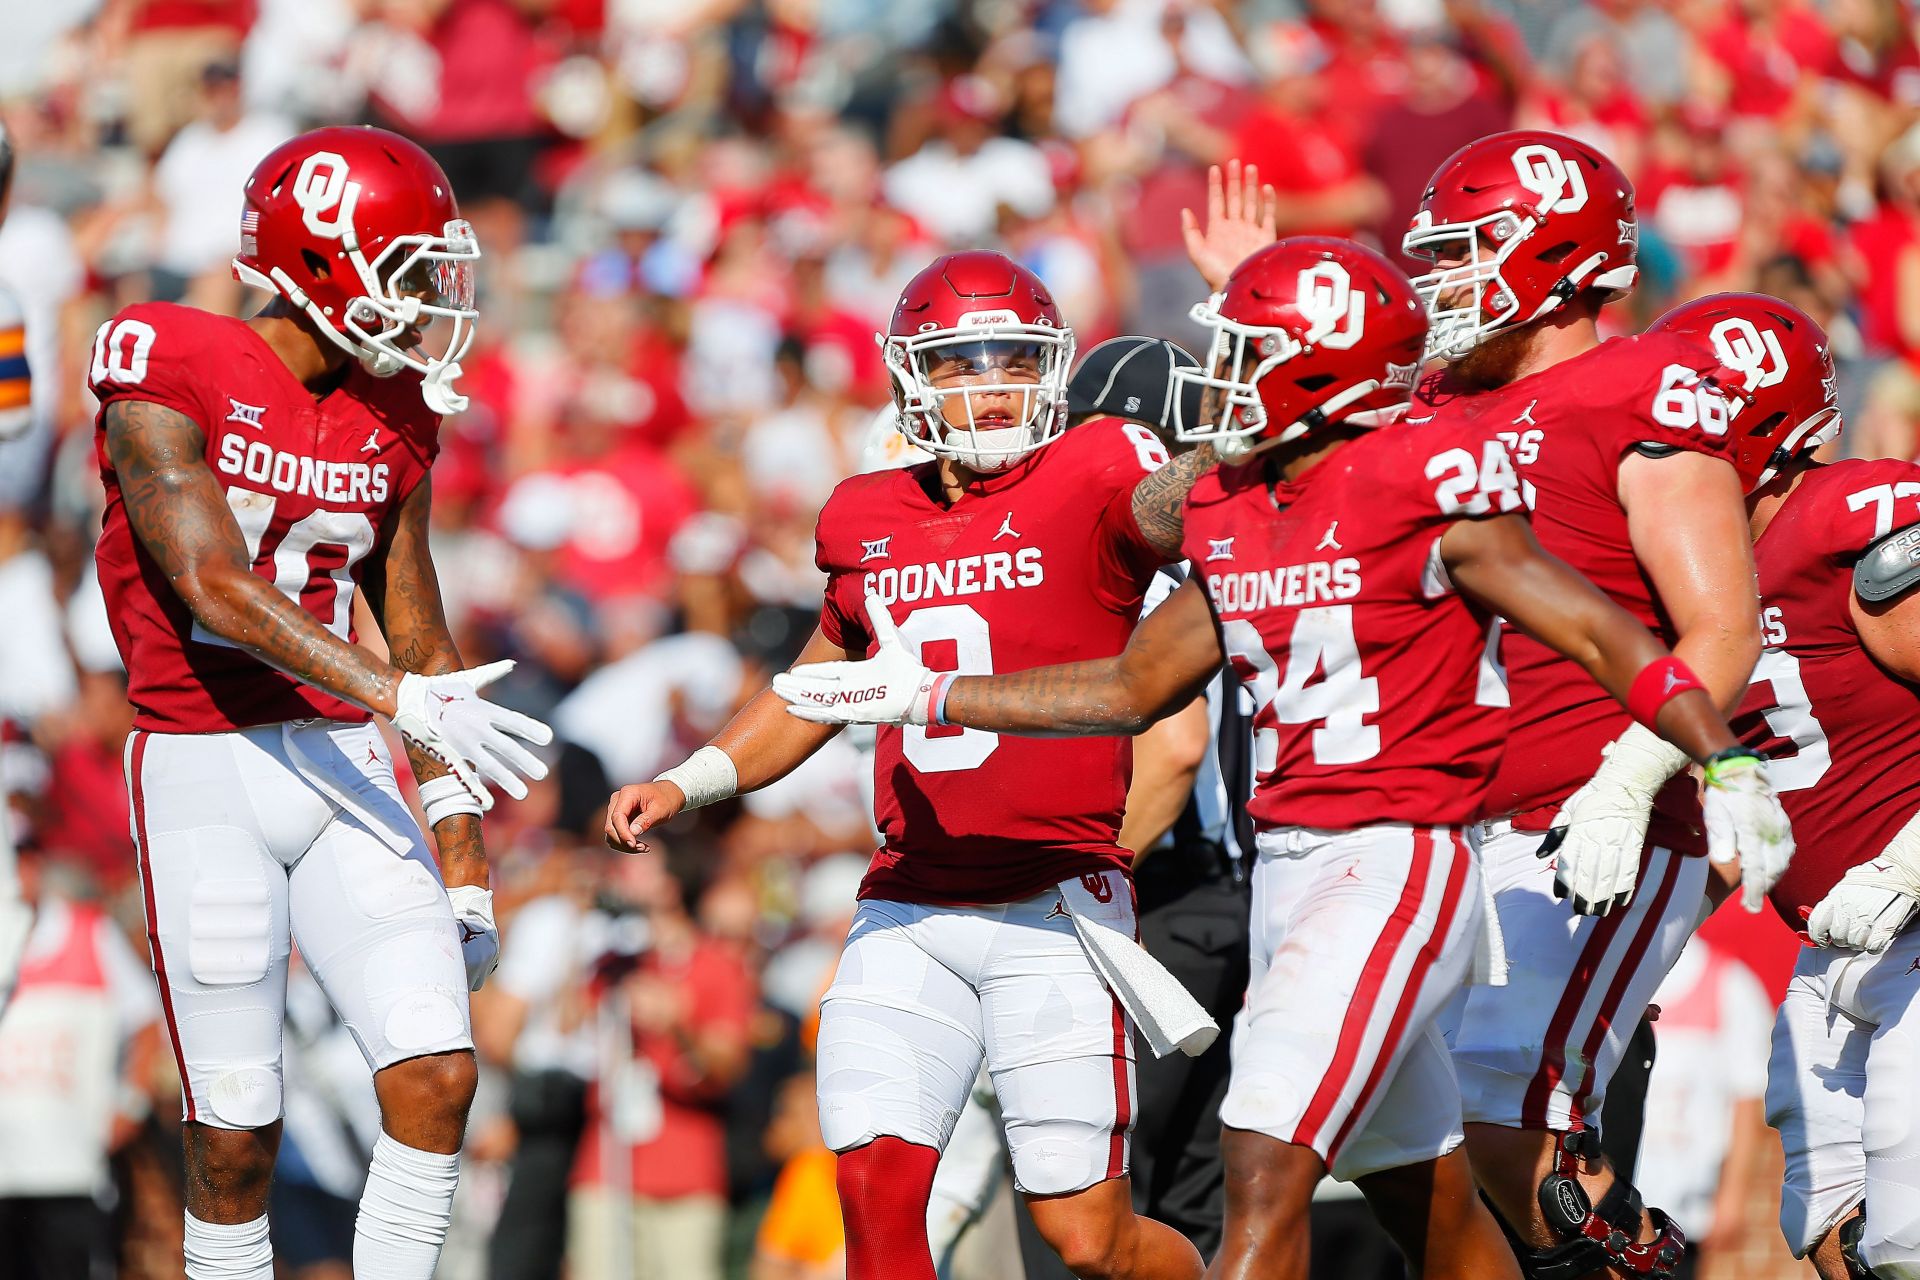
(1624, 451)
(258, 474)
(1349, 576)
(1836, 701)
(1018, 545)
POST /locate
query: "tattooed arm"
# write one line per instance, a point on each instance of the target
(1160, 499)
(1166, 664)
(181, 517)
(404, 593)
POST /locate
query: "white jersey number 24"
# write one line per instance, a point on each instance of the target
(1339, 702)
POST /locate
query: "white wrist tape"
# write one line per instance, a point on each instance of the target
(1641, 761)
(446, 796)
(705, 777)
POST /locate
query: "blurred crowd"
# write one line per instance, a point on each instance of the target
(694, 215)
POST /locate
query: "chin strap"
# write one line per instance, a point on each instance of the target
(1599, 1236)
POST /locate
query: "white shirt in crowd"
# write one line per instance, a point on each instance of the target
(199, 179)
(958, 197)
(624, 712)
(1713, 1035)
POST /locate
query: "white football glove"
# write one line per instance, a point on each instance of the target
(446, 717)
(479, 936)
(891, 687)
(1601, 830)
(1745, 821)
(1874, 901)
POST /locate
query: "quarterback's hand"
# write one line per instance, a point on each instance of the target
(1242, 218)
(1601, 830)
(446, 717)
(1745, 821)
(1865, 911)
(479, 936)
(635, 809)
(891, 687)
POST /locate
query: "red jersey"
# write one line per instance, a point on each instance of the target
(1567, 428)
(312, 484)
(1039, 564)
(1337, 615)
(1843, 733)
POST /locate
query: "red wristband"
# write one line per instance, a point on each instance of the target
(1658, 683)
(937, 698)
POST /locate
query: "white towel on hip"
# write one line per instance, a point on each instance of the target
(1166, 1013)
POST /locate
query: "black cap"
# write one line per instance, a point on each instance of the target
(1133, 378)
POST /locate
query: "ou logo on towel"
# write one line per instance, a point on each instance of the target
(1335, 310)
(1743, 345)
(321, 188)
(1561, 186)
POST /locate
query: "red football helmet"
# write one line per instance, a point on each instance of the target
(1309, 330)
(1516, 224)
(1791, 402)
(358, 228)
(984, 326)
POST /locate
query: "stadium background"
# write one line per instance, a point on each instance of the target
(695, 213)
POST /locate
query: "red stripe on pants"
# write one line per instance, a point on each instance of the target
(1122, 1099)
(1423, 963)
(1373, 976)
(137, 786)
(1617, 989)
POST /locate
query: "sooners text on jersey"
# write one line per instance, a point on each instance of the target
(1336, 613)
(1843, 733)
(1567, 428)
(311, 484)
(1038, 564)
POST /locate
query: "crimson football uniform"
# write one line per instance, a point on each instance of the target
(1373, 752)
(1844, 737)
(1842, 732)
(1538, 1052)
(1567, 428)
(312, 485)
(264, 807)
(1038, 564)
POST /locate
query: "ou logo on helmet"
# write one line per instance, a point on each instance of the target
(1561, 186)
(1742, 345)
(321, 188)
(1335, 310)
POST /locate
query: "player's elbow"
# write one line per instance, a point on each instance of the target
(211, 596)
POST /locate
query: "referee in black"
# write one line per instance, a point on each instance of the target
(1187, 825)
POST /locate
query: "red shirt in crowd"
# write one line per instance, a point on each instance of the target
(1301, 156)
(1764, 66)
(674, 1135)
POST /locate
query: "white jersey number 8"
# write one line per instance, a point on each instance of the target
(944, 750)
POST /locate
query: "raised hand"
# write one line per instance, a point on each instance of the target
(1242, 217)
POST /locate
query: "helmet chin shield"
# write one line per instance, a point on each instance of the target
(989, 358)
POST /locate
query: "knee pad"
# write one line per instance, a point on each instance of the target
(1597, 1236)
(244, 1098)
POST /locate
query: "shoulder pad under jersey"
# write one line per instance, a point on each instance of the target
(1888, 567)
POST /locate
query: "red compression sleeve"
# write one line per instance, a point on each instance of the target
(884, 1188)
